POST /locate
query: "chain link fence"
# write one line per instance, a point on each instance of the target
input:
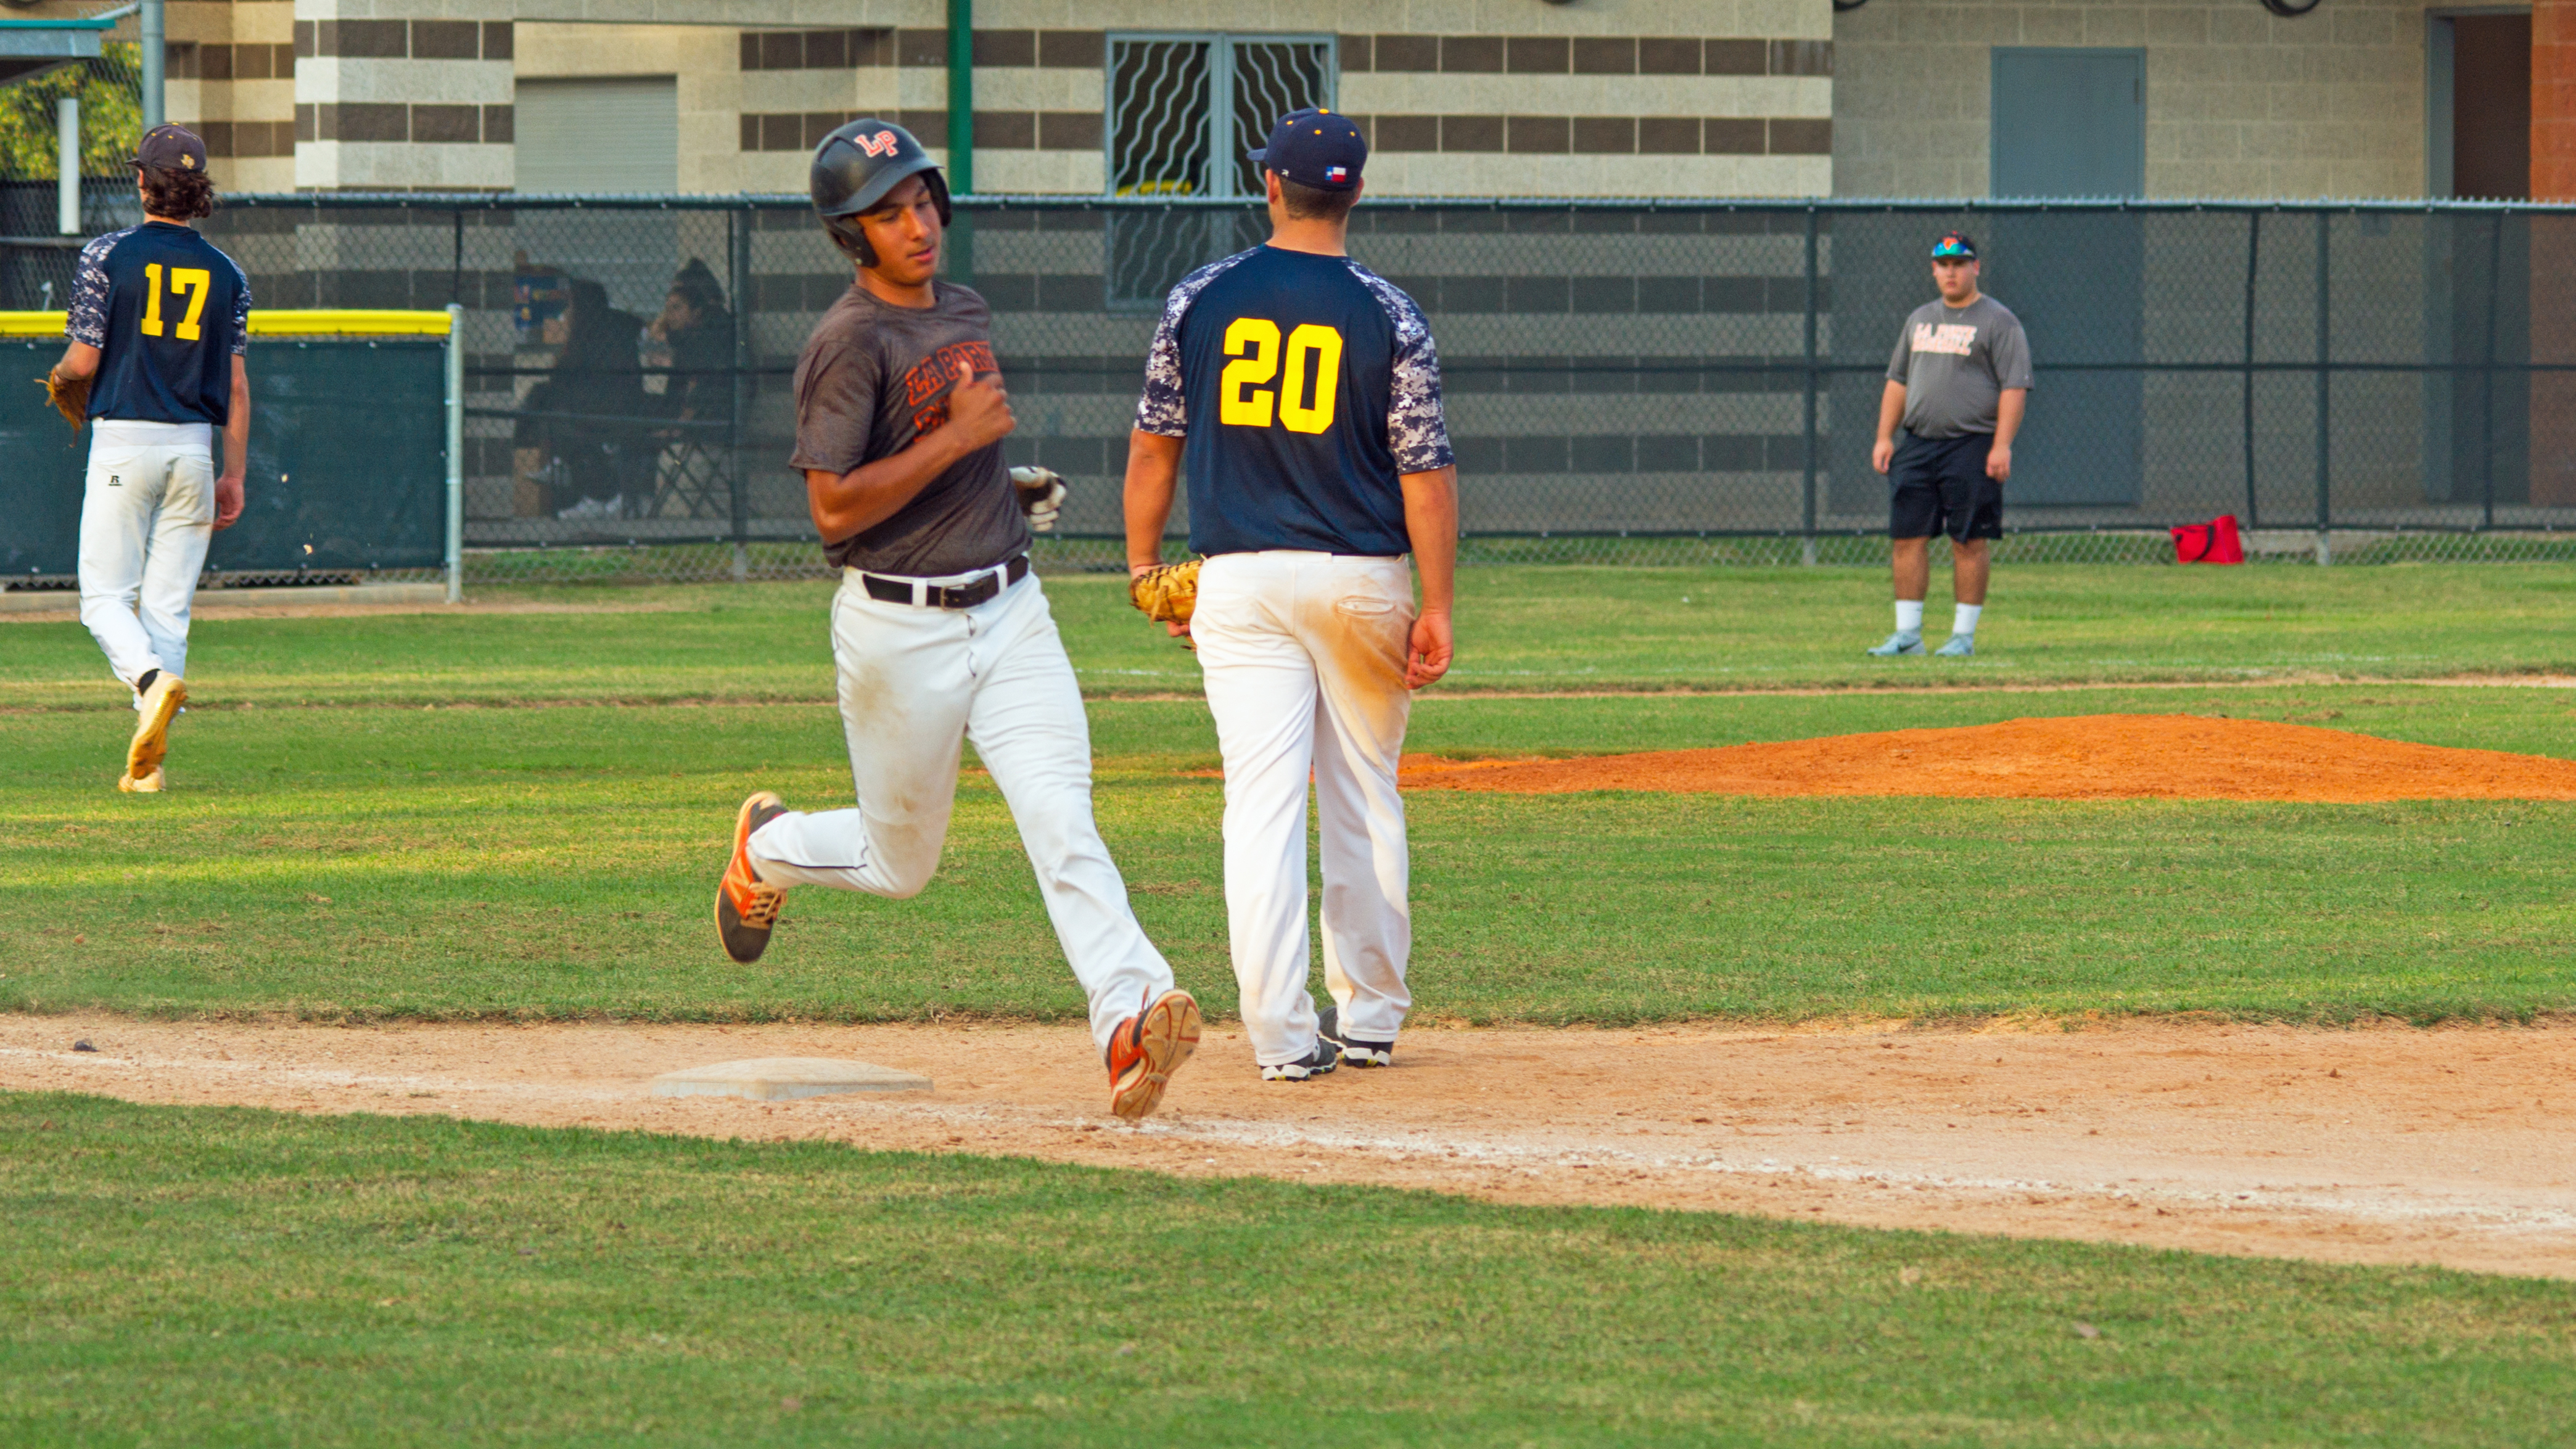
(36, 254)
(1629, 382)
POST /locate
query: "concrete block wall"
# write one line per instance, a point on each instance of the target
(2240, 102)
(1608, 98)
(404, 94)
(231, 77)
(1616, 98)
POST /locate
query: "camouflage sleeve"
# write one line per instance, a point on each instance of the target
(87, 319)
(241, 309)
(1164, 407)
(1417, 426)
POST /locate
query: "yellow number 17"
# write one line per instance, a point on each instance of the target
(194, 282)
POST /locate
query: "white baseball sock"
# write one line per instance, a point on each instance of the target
(1966, 620)
(1909, 616)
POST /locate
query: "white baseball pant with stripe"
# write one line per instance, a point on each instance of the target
(915, 682)
(1303, 655)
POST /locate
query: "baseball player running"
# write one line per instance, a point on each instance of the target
(1304, 391)
(940, 633)
(159, 323)
(1958, 381)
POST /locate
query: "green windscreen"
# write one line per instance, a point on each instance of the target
(348, 461)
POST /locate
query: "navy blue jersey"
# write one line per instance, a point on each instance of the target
(1307, 386)
(167, 312)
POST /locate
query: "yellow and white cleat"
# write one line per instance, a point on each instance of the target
(147, 785)
(151, 742)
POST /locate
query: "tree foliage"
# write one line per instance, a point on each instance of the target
(111, 115)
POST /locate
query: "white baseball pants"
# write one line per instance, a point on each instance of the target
(914, 683)
(147, 515)
(1303, 655)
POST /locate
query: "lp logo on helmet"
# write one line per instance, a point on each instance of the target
(880, 144)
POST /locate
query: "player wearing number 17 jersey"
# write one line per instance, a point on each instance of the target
(1303, 391)
(158, 327)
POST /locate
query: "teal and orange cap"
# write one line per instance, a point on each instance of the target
(1954, 246)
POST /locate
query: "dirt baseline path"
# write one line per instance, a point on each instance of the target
(2378, 1145)
(2085, 757)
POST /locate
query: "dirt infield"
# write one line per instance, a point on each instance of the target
(2086, 757)
(2383, 1145)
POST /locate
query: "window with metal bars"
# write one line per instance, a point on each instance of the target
(1184, 108)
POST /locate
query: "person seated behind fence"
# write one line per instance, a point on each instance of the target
(582, 431)
(697, 331)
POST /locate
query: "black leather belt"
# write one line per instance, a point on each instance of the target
(891, 590)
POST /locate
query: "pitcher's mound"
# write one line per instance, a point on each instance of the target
(2089, 757)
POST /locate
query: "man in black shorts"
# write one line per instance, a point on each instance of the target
(1958, 381)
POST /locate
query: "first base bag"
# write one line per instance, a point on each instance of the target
(2214, 542)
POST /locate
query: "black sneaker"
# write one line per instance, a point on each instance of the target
(1354, 1052)
(1316, 1063)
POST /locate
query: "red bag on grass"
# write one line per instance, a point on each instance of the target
(2214, 542)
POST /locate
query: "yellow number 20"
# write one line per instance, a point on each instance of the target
(192, 282)
(1255, 359)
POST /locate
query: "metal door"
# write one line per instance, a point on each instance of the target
(2068, 122)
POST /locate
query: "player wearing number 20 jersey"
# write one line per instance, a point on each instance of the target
(158, 327)
(1305, 392)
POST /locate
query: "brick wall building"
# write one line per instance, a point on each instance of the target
(2224, 98)
(1703, 97)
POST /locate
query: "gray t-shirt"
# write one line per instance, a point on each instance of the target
(1955, 363)
(873, 378)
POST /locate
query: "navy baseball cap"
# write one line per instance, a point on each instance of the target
(1314, 147)
(1954, 245)
(171, 148)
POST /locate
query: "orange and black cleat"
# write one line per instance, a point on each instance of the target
(746, 909)
(1146, 1049)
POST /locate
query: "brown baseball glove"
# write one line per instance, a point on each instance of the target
(70, 397)
(1169, 594)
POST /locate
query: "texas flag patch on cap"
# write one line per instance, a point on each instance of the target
(1336, 175)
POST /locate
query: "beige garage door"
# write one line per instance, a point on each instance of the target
(599, 135)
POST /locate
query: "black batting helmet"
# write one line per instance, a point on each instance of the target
(853, 170)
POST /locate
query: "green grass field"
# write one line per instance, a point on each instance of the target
(363, 825)
(377, 861)
(220, 1277)
(1519, 629)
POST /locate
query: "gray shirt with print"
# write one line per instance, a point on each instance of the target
(1955, 363)
(873, 378)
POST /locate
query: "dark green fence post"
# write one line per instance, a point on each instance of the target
(738, 233)
(2325, 313)
(961, 97)
(2253, 258)
(1807, 520)
(2486, 379)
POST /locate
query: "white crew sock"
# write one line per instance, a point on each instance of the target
(1966, 620)
(1909, 616)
